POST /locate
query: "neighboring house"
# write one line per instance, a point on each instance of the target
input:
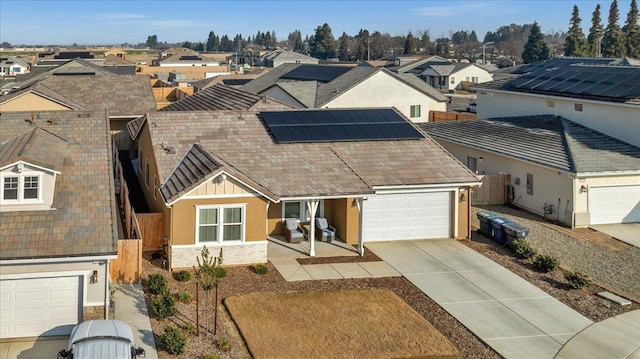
(227, 179)
(13, 66)
(57, 221)
(180, 60)
(451, 76)
(414, 64)
(119, 65)
(604, 97)
(116, 52)
(177, 51)
(558, 168)
(325, 86)
(278, 57)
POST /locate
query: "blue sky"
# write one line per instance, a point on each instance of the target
(116, 22)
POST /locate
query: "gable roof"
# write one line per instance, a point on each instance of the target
(546, 140)
(219, 97)
(188, 59)
(36, 146)
(83, 221)
(285, 55)
(237, 141)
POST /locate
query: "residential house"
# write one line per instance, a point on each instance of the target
(57, 221)
(451, 77)
(558, 168)
(325, 86)
(228, 179)
(13, 66)
(278, 57)
(181, 60)
(604, 97)
(119, 65)
(116, 52)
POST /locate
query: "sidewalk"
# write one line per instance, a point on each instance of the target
(514, 317)
(131, 308)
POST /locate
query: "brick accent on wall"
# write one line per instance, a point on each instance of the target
(247, 253)
(91, 313)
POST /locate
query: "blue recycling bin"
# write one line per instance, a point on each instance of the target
(498, 234)
(515, 231)
(485, 217)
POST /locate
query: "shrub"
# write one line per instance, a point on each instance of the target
(577, 280)
(183, 276)
(223, 344)
(545, 263)
(212, 356)
(163, 305)
(158, 284)
(184, 297)
(173, 340)
(220, 272)
(190, 328)
(261, 269)
(523, 248)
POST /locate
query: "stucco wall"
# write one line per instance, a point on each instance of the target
(382, 90)
(467, 74)
(46, 188)
(582, 199)
(32, 102)
(621, 121)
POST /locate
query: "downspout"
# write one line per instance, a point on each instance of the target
(107, 300)
(359, 201)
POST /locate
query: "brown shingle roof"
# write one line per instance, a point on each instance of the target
(36, 146)
(83, 219)
(218, 97)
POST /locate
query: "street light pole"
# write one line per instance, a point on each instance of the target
(484, 62)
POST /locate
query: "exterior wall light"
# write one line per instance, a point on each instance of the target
(94, 277)
(463, 197)
(583, 189)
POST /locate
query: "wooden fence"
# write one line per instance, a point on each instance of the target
(493, 190)
(151, 227)
(438, 116)
(127, 268)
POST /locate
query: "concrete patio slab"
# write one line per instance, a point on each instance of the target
(503, 284)
(380, 269)
(525, 347)
(322, 271)
(351, 270)
(448, 287)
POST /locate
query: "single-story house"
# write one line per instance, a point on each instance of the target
(559, 169)
(228, 179)
(278, 57)
(58, 219)
(13, 66)
(450, 76)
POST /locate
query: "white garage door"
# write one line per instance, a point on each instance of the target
(407, 216)
(615, 204)
(39, 306)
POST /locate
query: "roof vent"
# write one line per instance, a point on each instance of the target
(168, 149)
(52, 122)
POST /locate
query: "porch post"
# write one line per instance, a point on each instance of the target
(312, 206)
(360, 241)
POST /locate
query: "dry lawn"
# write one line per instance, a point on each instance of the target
(339, 324)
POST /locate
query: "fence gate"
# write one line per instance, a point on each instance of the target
(492, 192)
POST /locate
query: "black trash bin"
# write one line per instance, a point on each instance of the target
(498, 234)
(515, 231)
(485, 217)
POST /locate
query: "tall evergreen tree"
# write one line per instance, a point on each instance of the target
(363, 43)
(323, 44)
(631, 31)
(613, 41)
(595, 34)
(575, 44)
(535, 49)
(410, 44)
(343, 47)
(212, 42)
(298, 45)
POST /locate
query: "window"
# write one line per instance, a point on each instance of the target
(298, 209)
(415, 111)
(453, 80)
(10, 188)
(551, 104)
(466, 78)
(146, 172)
(220, 224)
(21, 188)
(529, 184)
(31, 187)
(472, 164)
(577, 107)
(474, 79)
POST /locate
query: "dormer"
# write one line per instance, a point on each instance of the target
(29, 165)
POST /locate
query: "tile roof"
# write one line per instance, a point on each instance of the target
(83, 221)
(547, 140)
(287, 55)
(239, 140)
(220, 97)
(267, 79)
(36, 146)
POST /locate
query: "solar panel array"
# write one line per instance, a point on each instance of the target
(190, 57)
(339, 126)
(321, 73)
(612, 82)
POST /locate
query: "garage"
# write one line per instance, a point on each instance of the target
(403, 216)
(614, 204)
(39, 306)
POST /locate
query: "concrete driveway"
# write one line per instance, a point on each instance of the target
(514, 317)
(41, 347)
(625, 232)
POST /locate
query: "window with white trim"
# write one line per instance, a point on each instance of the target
(220, 224)
(453, 80)
(299, 210)
(21, 188)
(415, 111)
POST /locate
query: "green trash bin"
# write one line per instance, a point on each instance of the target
(485, 218)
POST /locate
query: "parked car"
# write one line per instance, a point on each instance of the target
(102, 339)
(471, 107)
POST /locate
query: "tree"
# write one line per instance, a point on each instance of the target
(410, 44)
(535, 49)
(379, 44)
(187, 45)
(209, 274)
(238, 43)
(575, 44)
(613, 41)
(426, 45)
(595, 34)
(442, 47)
(152, 41)
(212, 42)
(362, 45)
(343, 47)
(631, 31)
(5, 44)
(323, 44)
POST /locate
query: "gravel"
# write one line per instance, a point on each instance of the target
(617, 266)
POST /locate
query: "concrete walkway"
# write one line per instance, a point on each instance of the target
(625, 232)
(131, 308)
(514, 317)
(613, 338)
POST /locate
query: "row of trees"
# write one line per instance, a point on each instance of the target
(612, 41)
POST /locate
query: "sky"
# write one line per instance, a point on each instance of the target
(96, 22)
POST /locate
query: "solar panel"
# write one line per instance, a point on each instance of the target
(339, 126)
(190, 57)
(321, 73)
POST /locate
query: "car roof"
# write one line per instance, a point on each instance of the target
(101, 329)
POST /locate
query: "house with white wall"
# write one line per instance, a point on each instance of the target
(451, 76)
(558, 168)
(604, 97)
(12, 66)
